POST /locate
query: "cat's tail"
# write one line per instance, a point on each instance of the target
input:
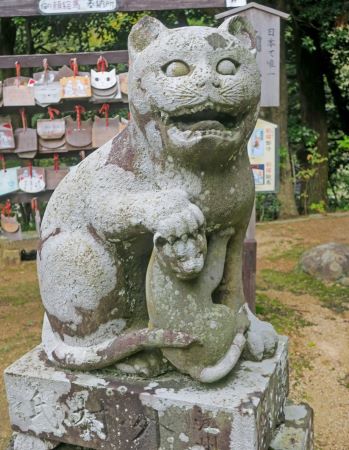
(225, 364)
(103, 354)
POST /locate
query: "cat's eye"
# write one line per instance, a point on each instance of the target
(227, 67)
(176, 69)
(108, 79)
(96, 79)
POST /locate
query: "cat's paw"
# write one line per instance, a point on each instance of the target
(181, 244)
(185, 256)
(187, 221)
(261, 339)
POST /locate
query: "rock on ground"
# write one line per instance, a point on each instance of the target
(327, 262)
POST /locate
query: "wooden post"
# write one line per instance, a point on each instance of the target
(249, 264)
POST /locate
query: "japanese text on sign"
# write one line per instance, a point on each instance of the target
(262, 151)
(76, 6)
(268, 59)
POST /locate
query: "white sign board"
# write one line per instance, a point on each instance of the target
(263, 149)
(76, 6)
(235, 3)
(8, 181)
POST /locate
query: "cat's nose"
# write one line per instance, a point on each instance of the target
(201, 83)
(216, 83)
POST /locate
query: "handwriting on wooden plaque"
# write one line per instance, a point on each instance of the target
(76, 6)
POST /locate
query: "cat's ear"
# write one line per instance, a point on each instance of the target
(241, 28)
(93, 73)
(144, 33)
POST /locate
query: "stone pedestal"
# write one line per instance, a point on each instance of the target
(109, 411)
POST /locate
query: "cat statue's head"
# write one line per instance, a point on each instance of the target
(198, 87)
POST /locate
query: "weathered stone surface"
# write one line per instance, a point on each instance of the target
(172, 412)
(297, 431)
(328, 262)
(176, 180)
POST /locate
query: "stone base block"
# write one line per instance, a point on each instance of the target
(108, 411)
(296, 433)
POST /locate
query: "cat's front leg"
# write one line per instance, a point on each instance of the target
(166, 214)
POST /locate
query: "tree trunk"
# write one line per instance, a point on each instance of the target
(310, 76)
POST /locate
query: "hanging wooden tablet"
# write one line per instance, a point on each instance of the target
(47, 90)
(104, 129)
(18, 91)
(75, 86)
(7, 141)
(31, 179)
(26, 139)
(51, 133)
(9, 222)
(105, 84)
(78, 133)
(8, 178)
(105, 93)
(52, 145)
(51, 128)
(55, 174)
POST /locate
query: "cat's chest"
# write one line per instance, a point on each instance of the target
(224, 201)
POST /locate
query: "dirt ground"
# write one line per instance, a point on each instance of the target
(318, 330)
(320, 351)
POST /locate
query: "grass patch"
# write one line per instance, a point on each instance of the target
(284, 319)
(292, 254)
(18, 287)
(332, 296)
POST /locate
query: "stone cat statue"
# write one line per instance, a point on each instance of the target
(171, 304)
(177, 175)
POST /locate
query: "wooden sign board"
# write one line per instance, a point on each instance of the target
(263, 151)
(76, 6)
(267, 28)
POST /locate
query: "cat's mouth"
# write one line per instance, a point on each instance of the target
(204, 119)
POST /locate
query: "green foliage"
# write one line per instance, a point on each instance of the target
(304, 137)
(308, 43)
(337, 44)
(305, 140)
(338, 191)
(267, 207)
(319, 207)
